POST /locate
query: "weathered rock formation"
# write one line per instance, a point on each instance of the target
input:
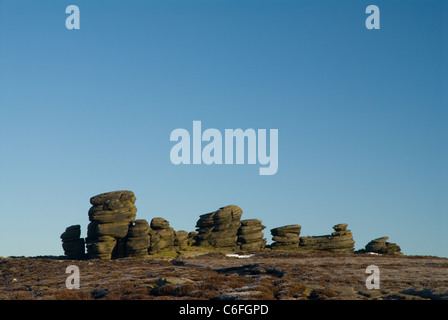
(138, 239)
(340, 241)
(219, 229)
(250, 235)
(381, 246)
(180, 239)
(113, 232)
(72, 243)
(162, 235)
(286, 237)
(111, 215)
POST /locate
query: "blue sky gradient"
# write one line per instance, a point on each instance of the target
(362, 115)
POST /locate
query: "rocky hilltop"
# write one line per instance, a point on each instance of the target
(114, 232)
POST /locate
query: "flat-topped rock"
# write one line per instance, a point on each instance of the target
(122, 195)
(281, 231)
(340, 241)
(381, 246)
(286, 237)
(111, 215)
(159, 223)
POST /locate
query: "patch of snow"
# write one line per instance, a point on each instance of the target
(240, 256)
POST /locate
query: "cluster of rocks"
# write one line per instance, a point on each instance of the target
(340, 241)
(250, 235)
(381, 246)
(111, 215)
(113, 232)
(286, 237)
(72, 243)
(219, 228)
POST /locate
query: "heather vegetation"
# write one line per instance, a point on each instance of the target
(263, 275)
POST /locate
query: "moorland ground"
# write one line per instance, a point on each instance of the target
(264, 275)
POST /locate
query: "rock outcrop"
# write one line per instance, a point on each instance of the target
(340, 241)
(219, 229)
(381, 246)
(250, 235)
(138, 239)
(111, 215)
(162, 235)
(72, 243)
(113, 232)
(180, 240)
(286, 237)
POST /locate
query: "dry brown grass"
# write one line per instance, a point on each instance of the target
(267, 275)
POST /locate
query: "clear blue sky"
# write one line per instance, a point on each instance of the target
(362, 115)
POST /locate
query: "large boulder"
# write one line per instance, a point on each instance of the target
(111, 216)
(381, 246)
(286, 237)
(219, 228)
(123, 195)
(161, 234)
(250, 235)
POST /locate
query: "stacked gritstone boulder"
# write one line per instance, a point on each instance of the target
(138, 239)
(72, 243)
(181, 239)
(381, 246)
(286, 237)
(340, 241)
(110, 215)
(162, 235)
(219, 229)
(250, 235)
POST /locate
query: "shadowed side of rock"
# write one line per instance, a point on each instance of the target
(72, 243)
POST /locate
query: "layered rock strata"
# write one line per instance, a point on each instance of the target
(250, 235)
(161, 234)
(340, 241)
(111, 215)
(286, 237)
(219, 229)
(381, 246)
(72, 243)
(138, 239)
